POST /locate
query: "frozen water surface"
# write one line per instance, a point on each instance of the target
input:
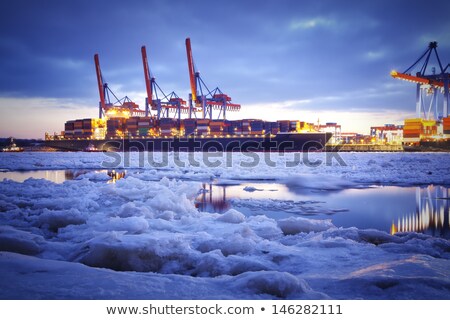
(146, 236)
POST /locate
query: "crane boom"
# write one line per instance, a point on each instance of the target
(428, 84)
(416, 79)
(191, 69)
(100, 84)
(148, 85)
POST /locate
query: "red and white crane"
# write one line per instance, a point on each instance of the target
(164, 104)
(201, 97)
(105, 93)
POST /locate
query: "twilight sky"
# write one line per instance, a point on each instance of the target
(309, 60)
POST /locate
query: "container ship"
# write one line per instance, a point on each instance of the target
(122, 126)
(167, 134)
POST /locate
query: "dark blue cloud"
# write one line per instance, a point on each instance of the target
(256, 51)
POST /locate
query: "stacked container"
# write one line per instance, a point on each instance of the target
(88, 128)
(144, 124)
(202, 126)
(132, 125)
(446, 125)
(227, 127)
(216, 127)
(166, 126)
(246, 126)
(114, 127)
(69, 128)
(78, 128)
(256, 127)
(235, 127)
(413, 128)
(429, 127)
(189, 126)
(304, 125)
(284, 125)
(294, 126)
(271, 127)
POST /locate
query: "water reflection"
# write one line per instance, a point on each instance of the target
(391, 208)
(115, 175)
(59, 176)
(432, 214)
(212, 199)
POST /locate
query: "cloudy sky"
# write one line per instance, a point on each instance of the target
(309, 60)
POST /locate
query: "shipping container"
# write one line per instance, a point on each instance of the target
(167, 121)
(202, 122)
(143, 131)
(446, 124)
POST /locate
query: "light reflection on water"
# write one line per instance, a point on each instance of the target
(431, 215)
(59, 176)
(388, 208)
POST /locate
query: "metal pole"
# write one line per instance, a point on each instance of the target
(190, 106)
(158, 107)
(446, 94)
(418, 100)
(210, 112)
(224, 109)
(204, 107)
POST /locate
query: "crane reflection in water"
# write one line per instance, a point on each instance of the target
(432, 214)
(209, 202)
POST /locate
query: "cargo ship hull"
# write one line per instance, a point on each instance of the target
(429, 146)
(281, 142)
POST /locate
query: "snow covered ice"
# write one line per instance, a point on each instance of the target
(143, 237)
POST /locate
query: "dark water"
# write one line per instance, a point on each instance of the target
(388, 208)
(392, 209)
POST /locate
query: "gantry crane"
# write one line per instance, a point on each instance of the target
(201, 98)
(165, 104)
(431, 84)
(105, 93)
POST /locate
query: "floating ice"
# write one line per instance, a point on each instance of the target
(143, 238)
(232, 216)
(359, 168)
(251, 189)
(294, 225)
(318, 181)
